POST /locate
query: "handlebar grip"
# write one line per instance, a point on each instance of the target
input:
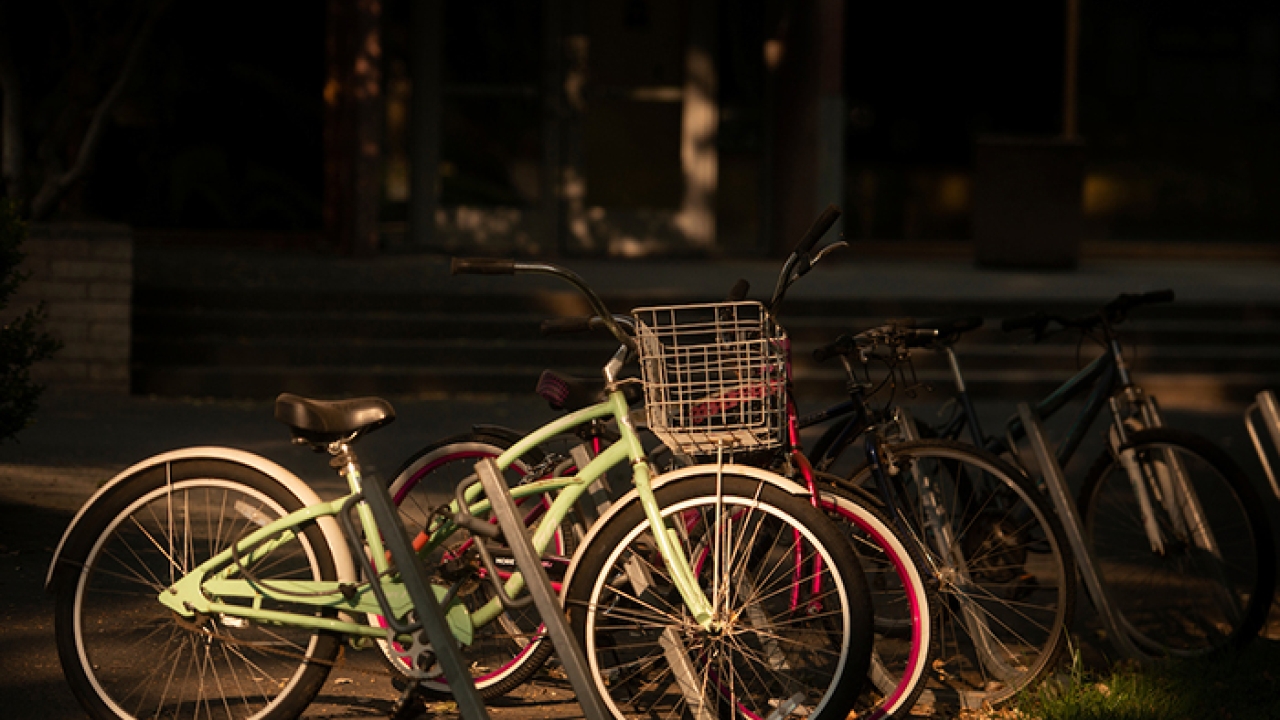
(921, 337)
(965, 324)
(567, 325)
(1022, 323)
(1116, 308)
(843, 345)
(819, 228)
(482, 266)
(739, 290)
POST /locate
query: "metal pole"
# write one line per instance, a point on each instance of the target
(1051, 472)
(425, 19)
(1072, 66)
(432, 617)
(539, 585)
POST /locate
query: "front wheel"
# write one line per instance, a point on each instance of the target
(127, 656)
(793, 631)
(1181, 543)
(1006, 578)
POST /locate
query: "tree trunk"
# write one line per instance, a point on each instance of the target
(57, 183)
(353, 125)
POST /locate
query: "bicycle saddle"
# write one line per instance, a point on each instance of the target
(324, 421)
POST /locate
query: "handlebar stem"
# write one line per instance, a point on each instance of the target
(615, 364)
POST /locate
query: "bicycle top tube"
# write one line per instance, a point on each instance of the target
(1098, 377)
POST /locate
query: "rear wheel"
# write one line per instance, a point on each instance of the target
(508, 651)
(126, 655)
(1206, 582)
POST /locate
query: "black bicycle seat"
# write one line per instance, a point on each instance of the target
(325, 421)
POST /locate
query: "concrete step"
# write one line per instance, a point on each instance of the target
(227, 326)
(1196, 390)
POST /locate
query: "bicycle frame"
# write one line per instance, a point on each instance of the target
(218, 576)
(937, 540)
(1163, 482)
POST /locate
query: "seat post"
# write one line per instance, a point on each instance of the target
(345, 461)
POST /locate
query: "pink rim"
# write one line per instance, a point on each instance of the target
(900, 567)
(404, 492)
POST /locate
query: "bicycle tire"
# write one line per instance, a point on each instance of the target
(892, 567)
(125, 655)
(1007, 598)
(827, 651)
(1173, 603)
(505, 654)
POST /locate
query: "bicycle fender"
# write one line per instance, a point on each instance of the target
(329, 526)
(788, 486)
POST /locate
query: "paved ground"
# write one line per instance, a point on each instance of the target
(77, 442)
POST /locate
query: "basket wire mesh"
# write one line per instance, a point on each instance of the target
(714, 376)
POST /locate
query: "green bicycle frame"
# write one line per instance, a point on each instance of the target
(207, 588)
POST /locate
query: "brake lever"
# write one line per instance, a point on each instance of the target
(837, 245)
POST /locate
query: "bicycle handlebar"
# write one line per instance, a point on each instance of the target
(799, 263)
(891, 335)
(1112, 313)
(580, 324)
(842, 345)
(492, 266)
(920, 337)
(566, 325)
(950, 329)
(1127, 301)
(818, 229)
(1036, 319)
(482, 266)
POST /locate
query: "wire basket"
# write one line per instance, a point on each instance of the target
(715, 376)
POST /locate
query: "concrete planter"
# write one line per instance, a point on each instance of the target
(83, 273)
(1027, 202)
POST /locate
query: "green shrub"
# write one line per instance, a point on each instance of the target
(23, 340)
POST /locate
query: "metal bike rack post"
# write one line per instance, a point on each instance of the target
(1054, 479)
(539, 586)
(1270, 411)
(432, 617)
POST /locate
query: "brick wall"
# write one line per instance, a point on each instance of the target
(83, 272)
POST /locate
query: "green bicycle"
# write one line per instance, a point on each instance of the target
(211, 582)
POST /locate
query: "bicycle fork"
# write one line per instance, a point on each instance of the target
(954, 571)
(1163, 478)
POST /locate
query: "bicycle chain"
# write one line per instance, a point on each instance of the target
(340, 661)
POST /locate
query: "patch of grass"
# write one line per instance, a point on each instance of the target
(1241, 685)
